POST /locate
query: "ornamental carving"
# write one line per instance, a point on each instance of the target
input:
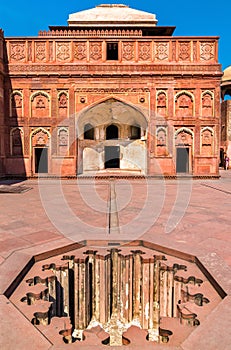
(62, 104)
(184, 137)
(207, 51)
(184, 105)
(194, 51)
(161, 142)
(162, 51)
(17, 52)
(16, 104)
(95, 51)
(40, 138)
(184, 51)
(62, 141)
(161, 103)
(110, 90)
(17, 142)
(40, 106)
(63, 51)
(144, 51)
(29, 51)
(40, 51)
(207, 105)
(128, 51)
(207, 142)
(80, 51)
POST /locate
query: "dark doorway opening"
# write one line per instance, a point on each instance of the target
(112, 51)
(41, 160)
(182, 160)
(112, 132)
(112, 156)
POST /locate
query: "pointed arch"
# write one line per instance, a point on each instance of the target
(16, 105)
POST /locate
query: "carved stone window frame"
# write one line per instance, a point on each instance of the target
(188, 93)
(37, 93)
(211, 129)
(11, 140)
(211, 93)
(16, 92)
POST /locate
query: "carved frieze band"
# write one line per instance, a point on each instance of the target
(153, 50)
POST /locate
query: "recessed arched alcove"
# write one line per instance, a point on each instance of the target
(119, 137)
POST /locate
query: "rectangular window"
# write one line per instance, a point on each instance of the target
(112, 51)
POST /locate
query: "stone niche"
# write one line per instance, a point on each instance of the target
(115, 293)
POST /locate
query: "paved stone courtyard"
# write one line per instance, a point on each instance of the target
(192, 216)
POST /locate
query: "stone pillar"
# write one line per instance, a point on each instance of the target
(154, 332)
(115, 331)
(137, 278)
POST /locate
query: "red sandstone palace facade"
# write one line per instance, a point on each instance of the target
(112, 90)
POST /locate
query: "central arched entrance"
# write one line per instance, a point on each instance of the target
(117, 140)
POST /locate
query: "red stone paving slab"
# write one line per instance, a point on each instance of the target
(16, 331)
(41, 236)
(206, 220)
(215, 333)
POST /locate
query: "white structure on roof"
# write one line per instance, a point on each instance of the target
(112, 14)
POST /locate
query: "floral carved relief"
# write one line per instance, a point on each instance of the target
(40, 51)
(63, 51)
(162, 51)
(128, 51)
(17, 52)
(144, 51)
(184, 51)
(80, 51)
(184, 137)
(95, 51)
(207, 51)
(40, 138)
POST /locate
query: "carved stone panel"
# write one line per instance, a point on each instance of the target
(80, 50)
(128, 52)
(145, 51)
(63, 51)
(207, 105)
(184, 137)
(161, 103)
(184, 51)
(184, 105)
(207, 51)
(40, 51)
(40, 105)
(161, 141)
(62, 104)
(161, 51)
(40, 137)
(16, 142)
(206, 142)
(17, 51)
(96, 51)
(62, 141)
(16, 104)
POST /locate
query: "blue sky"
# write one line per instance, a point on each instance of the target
(199, 18)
